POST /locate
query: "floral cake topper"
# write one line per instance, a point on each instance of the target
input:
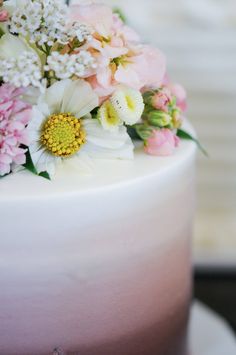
(75, 81)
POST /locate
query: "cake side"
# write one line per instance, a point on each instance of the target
(101, 270)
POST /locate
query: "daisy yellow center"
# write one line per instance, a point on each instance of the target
(63, 135)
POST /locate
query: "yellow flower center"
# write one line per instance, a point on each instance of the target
(130, 103)
(63, 135)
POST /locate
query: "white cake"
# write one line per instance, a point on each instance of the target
(98, 264)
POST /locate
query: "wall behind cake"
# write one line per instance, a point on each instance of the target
(199, 38)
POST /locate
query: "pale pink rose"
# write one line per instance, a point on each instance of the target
(161, 99)
(179, 92)
(145, 69)
(4, 16)
(14, 116)
(161, 143)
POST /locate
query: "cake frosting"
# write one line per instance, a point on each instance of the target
(99, 264)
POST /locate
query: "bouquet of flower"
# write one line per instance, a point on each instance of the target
(76, 81)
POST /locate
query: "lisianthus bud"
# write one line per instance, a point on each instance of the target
(4, 16)
(176, 118)
(147, 97)
(159, 118)
(161, 143)
(161, 99)
(179, 92)
(143, 131)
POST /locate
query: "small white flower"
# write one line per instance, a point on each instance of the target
(108, 117)
(19, 64)
(57, 131)
(65, 65)
(128, 104)
(80, 31)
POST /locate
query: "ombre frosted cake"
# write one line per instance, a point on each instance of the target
(96, 261)
(102, 264)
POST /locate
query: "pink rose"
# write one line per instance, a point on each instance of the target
(4, 16)
(161, 143)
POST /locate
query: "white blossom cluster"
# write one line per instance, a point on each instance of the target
(80, 31)
(22, 71)
(66, 65)
(43, 21)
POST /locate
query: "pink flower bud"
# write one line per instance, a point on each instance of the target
(179, 92)
(4, 16)
(161, 143)
(161, 99)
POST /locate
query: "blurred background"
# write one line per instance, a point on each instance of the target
(199, 39)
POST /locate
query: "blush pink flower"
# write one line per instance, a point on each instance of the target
(161, 143)
(145, 68)
(14, 116)
(4, 16)
(179, 92)
(120, 57)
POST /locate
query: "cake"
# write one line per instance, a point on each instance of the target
(100, 265)
(96, 188)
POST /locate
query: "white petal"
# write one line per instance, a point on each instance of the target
(55, 94)
(105, 144)
(12, 46)
(79, 99)
(95, 134)
(37, 120)
(43, 161)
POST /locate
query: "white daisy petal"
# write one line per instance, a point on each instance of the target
(101, 143)
(79, 99)
(54, 95)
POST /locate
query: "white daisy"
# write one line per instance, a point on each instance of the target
(58, 130)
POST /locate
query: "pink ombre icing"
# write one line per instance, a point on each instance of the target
(14, 116)
(161, 143)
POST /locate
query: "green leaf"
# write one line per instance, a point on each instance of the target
(29, 165)
(120, 13)
(132, 132)
(187, 136)
(1, 32)
(45, 175)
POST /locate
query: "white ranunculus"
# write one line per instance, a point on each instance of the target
(78, 99)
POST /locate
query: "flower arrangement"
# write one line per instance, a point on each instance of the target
(76, 81)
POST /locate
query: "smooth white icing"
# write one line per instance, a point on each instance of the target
(94, 175)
